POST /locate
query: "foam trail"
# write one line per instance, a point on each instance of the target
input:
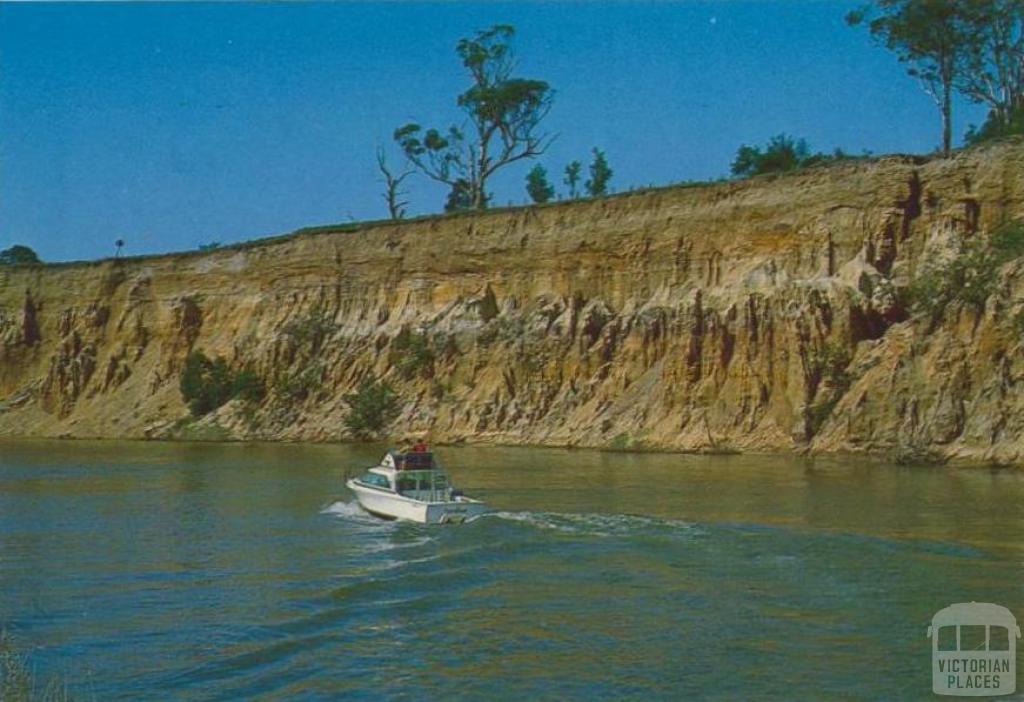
(348, 510)
(600, 524)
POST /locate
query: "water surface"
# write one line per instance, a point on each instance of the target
(200, 571)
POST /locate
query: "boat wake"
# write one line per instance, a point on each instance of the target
(570, 523)
(352, 512)
(596, 524)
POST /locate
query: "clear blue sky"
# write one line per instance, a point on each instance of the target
(172, 125)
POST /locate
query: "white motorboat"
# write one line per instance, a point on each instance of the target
(413, 486)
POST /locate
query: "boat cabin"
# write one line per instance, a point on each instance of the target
(412, 474)
(409, 460)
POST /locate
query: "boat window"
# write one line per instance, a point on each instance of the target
(972, 637)
(998, 638)
(375, 479)
(946, 638)
(405, 484)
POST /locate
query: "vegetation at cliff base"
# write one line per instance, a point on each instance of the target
(371, 408)
(207, 384)
(18, 255)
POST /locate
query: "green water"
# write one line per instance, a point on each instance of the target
(191, 571)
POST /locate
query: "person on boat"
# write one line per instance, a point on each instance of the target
(420, 446)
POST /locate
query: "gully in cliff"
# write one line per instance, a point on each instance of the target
(411, 485)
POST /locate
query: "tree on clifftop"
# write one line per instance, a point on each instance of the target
(18, 255)
(572, 178)
(504, 115)
(783, 153)
(600, 174)
(393, 192)
(931, 37)
(537, 185)
(993, 72)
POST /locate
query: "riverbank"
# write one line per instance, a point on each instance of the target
(774, 314)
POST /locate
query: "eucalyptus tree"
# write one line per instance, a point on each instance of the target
(600, 174)
(537, 185)
(993, 60)
(393, 193)
(503, 116)
(572, 178)
(929, 36)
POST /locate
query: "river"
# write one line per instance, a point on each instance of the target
(138, 570)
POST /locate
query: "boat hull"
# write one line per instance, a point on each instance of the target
(388, 505)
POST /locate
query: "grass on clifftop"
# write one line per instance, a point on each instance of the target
(360, 225)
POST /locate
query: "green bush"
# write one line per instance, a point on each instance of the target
(311, 329)
(1018, 322)
(371, 407)
(207, 384)
(819, 413)
(996, 128)
(971, 277)
(411, 354)
(1007, 241)
(300, 384)
(18, 255)
(782, 153)
(830, 362)
(248, 386)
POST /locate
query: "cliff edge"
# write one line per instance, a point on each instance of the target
(765, 314)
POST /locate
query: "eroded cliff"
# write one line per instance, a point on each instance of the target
(767, 314)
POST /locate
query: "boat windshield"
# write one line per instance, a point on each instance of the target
(375, 479)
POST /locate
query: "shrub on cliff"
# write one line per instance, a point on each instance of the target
(371, 407)
(600, 174)
(18, 255)
(207, 384)
(971, 277)
(313, 329)
(537, 185)
(300, 384)
(248, 386)
(996, 128)
(411, 354)
(782, 153)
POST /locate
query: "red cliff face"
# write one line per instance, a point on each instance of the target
(767, 314)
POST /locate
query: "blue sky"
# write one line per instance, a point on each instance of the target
(173, 125)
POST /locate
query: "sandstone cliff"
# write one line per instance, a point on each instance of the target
(766, 314)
